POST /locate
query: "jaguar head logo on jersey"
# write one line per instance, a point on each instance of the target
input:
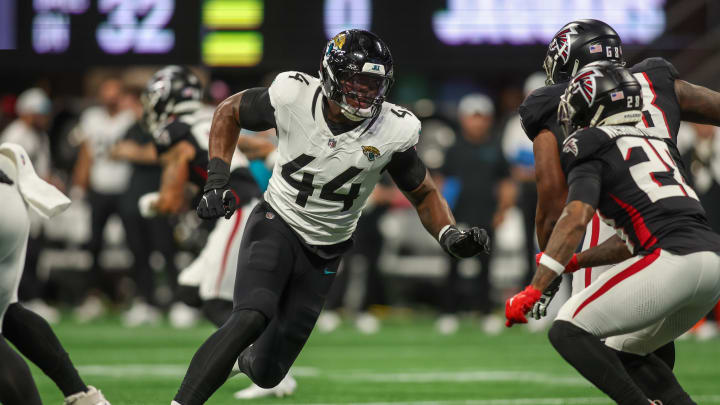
(371, 152)
(332, 142)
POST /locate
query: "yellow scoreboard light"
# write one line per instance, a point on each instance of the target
(232, 48)
(233, 14)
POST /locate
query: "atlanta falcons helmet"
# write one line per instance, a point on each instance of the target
(602, 93)
(356, 73)
(171, 90)
(577, 44)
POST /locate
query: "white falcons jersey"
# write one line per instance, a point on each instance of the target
(321, 181)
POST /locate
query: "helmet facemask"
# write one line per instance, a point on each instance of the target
(359, 94)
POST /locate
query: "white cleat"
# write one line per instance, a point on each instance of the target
(183, 316)
(92, 396)
(286, 387)
(447, 324)
(141, 313)
(367, 323)
(328, 321)
(91, 309)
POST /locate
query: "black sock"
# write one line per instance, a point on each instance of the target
(34, 338)
(212, 363)
(217, 311)
(596, 362)
(654, 378)
(16, 384)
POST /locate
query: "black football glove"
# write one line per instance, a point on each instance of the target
(218, 200)
(462, 244)
(539, 310)
(5, 179)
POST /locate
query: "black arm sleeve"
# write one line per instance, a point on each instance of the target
(584, 183)
(407, 170)
(256, 113)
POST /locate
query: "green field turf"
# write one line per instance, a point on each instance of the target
(406, 363)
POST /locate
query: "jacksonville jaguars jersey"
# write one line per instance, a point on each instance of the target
(661, 112)
(643, 194)
(194, 127)
(321, 181)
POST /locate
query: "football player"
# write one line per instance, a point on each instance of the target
(21, 189)
(180, 125)
(666, 98)
(668, 271)
(336, 135)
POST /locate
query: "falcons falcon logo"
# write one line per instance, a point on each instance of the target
(585, 84)
(561, 43)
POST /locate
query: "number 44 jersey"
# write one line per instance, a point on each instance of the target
(643, 195)
(321, 181)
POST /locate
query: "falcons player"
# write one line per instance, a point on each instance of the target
(668, 271)
(180, 123)
(667, 100)
(336, 136)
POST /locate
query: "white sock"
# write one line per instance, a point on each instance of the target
(175, 403)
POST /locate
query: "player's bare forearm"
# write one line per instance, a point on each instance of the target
(564, 239)
(431, 207)
(81, 171)
(697, 103)
(175, 175)
(551, 186)
(225, 128)
(612, 251)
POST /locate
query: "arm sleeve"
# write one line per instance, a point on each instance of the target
(584, 182)
(256, 113)
(407, 170)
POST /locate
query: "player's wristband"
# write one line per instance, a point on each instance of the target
(218, 174)
(552, 264)
(442, 231)
(573, 264)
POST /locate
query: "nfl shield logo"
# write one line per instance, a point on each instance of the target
(332, 143)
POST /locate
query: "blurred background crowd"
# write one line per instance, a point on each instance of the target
(73, 71)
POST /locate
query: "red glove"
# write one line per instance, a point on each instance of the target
(571, 267)
(518, 305)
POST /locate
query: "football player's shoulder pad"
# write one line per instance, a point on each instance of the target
(171, 134)
(539, 107)
(289, 86)
(404, 122)
(583, 145)
(655, 63)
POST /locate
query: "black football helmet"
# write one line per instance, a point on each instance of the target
(171, 90)
(577, 44)
(602, 93)
(356, 73)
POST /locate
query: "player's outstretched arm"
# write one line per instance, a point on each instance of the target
(551, 185)
(611, 251)
(697, 103)
(413, 179)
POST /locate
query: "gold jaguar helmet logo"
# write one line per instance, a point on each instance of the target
(371, 152)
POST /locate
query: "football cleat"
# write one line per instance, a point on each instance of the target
(92, 396)
(286, 387)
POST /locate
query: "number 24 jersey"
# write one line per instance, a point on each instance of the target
(320, 181)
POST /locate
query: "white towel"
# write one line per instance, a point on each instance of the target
(43, 197)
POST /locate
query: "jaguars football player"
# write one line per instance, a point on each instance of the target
(668, 272)
(180, 123)
(336, 135)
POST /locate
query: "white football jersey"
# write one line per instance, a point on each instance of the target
(321, 181)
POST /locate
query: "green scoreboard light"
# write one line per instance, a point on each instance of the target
(231, 37)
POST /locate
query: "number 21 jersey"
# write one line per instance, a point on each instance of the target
(321, 181)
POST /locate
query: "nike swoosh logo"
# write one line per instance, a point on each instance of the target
(326, 271)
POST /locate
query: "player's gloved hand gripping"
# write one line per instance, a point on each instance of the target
(219, 200)
(467, 243)
(539, 310)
